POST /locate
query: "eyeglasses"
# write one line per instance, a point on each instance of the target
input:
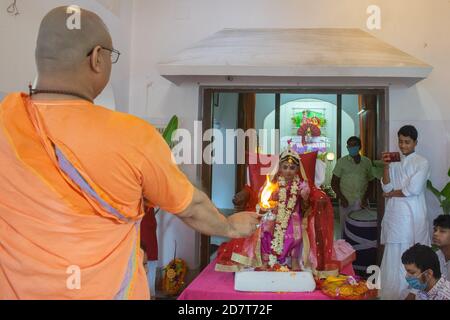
(115, 54)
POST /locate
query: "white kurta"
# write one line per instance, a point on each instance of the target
(405, 221)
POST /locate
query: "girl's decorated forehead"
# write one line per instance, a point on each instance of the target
(289, 162)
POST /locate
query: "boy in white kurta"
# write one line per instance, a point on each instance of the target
(405, 221)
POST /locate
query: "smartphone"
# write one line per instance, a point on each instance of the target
(393, 156)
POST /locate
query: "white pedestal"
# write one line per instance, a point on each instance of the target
(252, 281)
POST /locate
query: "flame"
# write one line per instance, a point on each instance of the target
(269, 189)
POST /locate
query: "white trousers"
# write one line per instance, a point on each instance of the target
(393, 273)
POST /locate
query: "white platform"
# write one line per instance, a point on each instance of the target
(251, 281)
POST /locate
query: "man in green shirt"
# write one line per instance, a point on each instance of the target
(351, 179)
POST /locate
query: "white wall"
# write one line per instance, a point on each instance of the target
(18, 37)
(420, 27)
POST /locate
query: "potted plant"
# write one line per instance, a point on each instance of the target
(443, 196)
(170, 129)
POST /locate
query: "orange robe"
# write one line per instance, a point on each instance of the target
(73, 177)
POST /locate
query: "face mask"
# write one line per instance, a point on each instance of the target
(415, 283)
(353, 151)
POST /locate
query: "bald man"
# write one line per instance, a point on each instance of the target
(74, 177)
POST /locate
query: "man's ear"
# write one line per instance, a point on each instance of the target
(429, 273)
(95, 59)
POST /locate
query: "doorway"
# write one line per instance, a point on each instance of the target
(336, 113)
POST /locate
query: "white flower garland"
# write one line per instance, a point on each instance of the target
(283, 216)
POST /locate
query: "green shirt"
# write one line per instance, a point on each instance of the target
(354, 177)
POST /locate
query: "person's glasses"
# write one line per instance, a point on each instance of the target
(115, 54)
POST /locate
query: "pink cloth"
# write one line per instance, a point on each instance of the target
(292, 240)
(212, 285)
(343, 253)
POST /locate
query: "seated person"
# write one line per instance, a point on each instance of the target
(441, 238)
(424, 274)
(287, 236)
(246, 199)
(281, 235)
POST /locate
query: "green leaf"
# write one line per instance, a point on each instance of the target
(449, 172)
(446, 192)
(377, 171)
(446, 206)
(171, 128)
(435, 191)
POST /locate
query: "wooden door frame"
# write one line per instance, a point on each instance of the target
(206, 116)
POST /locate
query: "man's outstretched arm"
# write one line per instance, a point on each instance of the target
(203, 216)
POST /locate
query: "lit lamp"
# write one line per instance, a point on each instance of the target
(266, 205)
(331, 156)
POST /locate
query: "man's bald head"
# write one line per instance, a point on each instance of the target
(60, 49)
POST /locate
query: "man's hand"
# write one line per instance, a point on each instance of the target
(243, 224)
(386, 159)
(386, 174)
(305, 193)
(203, 217)
(394, 194)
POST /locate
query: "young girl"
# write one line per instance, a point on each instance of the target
(281, 234)
(280, 238)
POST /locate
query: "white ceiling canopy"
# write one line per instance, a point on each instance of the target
(320, 54)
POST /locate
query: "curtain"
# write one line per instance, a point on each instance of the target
(368, 129)
(368, 125)
(246, 121)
